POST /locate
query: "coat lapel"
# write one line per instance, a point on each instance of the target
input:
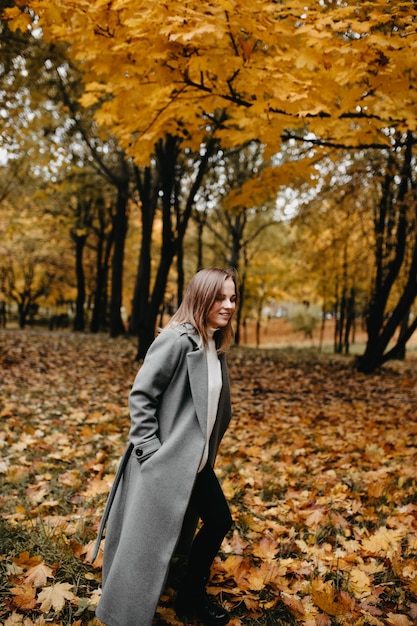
(198, 375)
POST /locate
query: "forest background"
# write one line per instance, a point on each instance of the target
(141, 141)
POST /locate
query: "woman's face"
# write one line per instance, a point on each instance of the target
(224, 305)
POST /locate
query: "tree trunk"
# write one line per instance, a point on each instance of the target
(170, 171)
(236, 231)
(99, 278)
(104, 320)
(350, 318)
(148, 187)
(201, 222)
(399, 350)
(395, 235)
(259, 321)
(242, 284)
(3, 315)
(103, 253)
(23, 314)
(336, 313)
(167, 156)
(341, 322)
(120, 230)
(180, 275)
(79, 319)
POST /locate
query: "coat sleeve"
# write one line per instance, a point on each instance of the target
(166, 353)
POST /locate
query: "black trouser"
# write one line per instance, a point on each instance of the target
(208, 501)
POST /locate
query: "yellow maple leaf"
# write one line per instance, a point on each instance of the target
(229, 489)
(18, 19)
(407, 571)
(266, 573)
(54, 597)
(236, 545)
(412, 585)
(232, 563)
(255, 579)
(265, 549)
(306, 59)
(359, 583)
(324, 596)
(384, 540)
(96, 486)
(315, 517)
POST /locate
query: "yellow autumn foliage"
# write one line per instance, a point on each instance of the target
(345, 72)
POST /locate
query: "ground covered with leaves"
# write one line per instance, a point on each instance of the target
(319, 466)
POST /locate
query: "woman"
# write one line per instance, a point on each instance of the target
(180, 408)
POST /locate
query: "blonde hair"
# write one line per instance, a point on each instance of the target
(199, 298)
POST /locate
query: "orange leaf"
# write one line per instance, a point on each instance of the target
(258, 577)
(294, 604)
(88, 552)
(323, 595)
(26, 561)
(24, 597)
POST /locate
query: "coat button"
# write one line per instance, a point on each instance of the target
(138, 451)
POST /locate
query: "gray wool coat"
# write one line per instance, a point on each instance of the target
(146, 511)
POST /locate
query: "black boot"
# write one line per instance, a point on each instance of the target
(194, 604)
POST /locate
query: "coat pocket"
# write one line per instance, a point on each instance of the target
(143, 451)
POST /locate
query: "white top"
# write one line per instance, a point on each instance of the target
(214, 388)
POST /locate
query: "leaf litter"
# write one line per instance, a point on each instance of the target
(318, 466)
